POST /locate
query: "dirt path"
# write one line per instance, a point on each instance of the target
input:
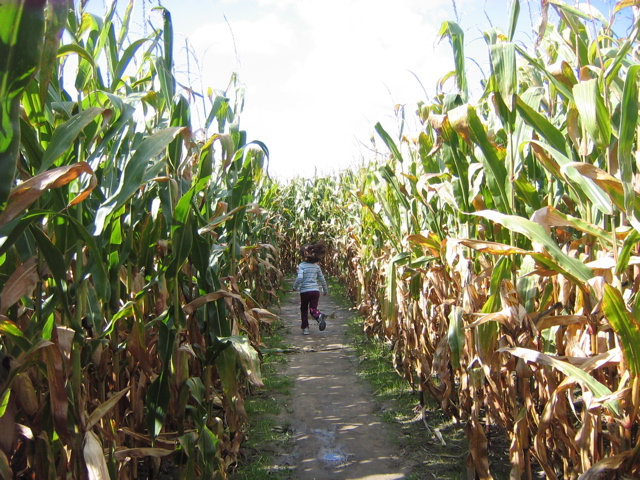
(337, 435)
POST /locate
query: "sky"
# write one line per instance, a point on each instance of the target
(319, 74)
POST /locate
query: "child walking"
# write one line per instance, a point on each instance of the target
(309, 282)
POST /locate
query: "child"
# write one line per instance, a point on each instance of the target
(308, 282)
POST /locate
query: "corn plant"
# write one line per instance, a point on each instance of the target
(132, 254)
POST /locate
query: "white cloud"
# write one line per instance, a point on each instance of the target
(320, 73)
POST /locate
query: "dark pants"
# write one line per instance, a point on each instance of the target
(308, 300)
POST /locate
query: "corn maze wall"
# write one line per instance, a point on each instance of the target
(133, 255)
(497, 250)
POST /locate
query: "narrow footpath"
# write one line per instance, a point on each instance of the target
(337, 435)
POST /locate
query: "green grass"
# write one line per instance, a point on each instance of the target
(267, 436)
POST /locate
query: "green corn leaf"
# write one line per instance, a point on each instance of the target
(21, 33)
(501, 271)
(528, 284)
(164, 65)
(57, 267)
(105, 29)
(486, 337)
(208, 447)
(390, 301)
(214, 351)
(536, 233)
(197, 389)
(593, 112)
(455, 34)
(247, 357)
(189, 449)
(625, 326)
(56, 21)
(133, 175)
(622, 52)
(31, 144)
(503, 65)
(226, 364)
(71, 48)
(168, 38)
(124, 29)
(527, 193)
(540, 67)
(13, 232)
(167, 337)
(5, 466)
(124, 61)
(554, 217)
(493, 165)
(4, 402)
(388, 141)
(456, 335)
(541, 125)
(607, 183)
(628, 126)
(588, 187)
(216, 109)
(104, 408)
(97, 266)
(9, 328)
(597, 388)
(157, 404)
(182, 231)
(12, 331)
(379, 222)
(514, 13)
(390, 177)
(580, 41)
(180, 117)
(551, 264)
(64, 136)
(625, 252)
(563, 6)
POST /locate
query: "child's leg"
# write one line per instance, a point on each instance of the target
(304, 309)
(313, 305)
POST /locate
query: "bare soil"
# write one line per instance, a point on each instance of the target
(332, 414)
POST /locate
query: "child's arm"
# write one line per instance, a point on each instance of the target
(322, 282)
(298, 281)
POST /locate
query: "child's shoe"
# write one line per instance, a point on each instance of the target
(305, 331)
(321, 322)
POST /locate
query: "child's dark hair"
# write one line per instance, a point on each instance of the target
(313, 252)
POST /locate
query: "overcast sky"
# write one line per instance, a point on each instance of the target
(319, 74)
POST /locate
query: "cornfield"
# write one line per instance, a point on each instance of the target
(496, 250)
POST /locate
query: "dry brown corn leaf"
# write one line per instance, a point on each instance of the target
(22, 282)
(122, 455)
